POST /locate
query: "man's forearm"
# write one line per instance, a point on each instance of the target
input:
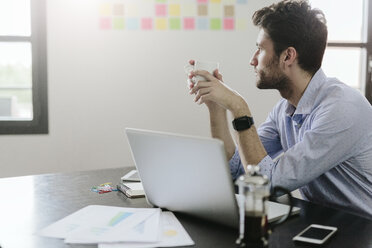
(251, 149)
(220, 130)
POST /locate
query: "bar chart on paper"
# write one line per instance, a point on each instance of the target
(118, 218)
(94, 224)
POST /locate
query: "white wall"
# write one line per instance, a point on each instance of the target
(100, 82)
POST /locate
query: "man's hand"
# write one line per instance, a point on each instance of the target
(212, 106)
(215, 91)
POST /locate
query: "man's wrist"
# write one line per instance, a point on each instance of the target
(242, 123)
(240, 108)
(215, 108)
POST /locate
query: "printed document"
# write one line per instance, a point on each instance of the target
(98, 224)
(171, 233)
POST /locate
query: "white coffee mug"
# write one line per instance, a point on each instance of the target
(201, 66)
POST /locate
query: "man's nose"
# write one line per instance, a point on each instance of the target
(253, 61)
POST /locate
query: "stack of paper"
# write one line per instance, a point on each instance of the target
(132, 227)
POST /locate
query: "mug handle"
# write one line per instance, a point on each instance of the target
(278, 189)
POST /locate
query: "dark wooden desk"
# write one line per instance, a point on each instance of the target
(33, 202)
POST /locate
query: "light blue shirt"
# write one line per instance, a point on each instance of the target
(326, 144)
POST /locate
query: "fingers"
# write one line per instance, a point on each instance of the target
(201, 95)
(217, 74)
(205, 74)
(201, 84)
(190, 84)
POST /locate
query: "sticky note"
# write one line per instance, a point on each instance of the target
(202, 10)
(146, 23)
(228, 23)
(202, 23)
(118, 23)
(229, 10)
(214, 10)
(161, 23)
(188, 23)
(160, 9)
(118, 9)
(161, 1)
(226, 2)
(132, 23)
(105, 23)
(215, 23)
(174, 10)
(241, 24)
(202, 1)
(174, 23)
(215, 1)
(105, 9)
(188, 9)
(241, 1)
(131, 10)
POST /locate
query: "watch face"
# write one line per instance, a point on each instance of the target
(242, 123)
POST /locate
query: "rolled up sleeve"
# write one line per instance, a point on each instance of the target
(236, 166)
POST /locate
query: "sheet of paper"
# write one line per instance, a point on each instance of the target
(145, 231)
(171, 234)
(96, 223)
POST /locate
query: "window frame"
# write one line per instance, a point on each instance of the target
(39, 123)
(367, 45)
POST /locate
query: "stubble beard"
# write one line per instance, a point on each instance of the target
(271, 77)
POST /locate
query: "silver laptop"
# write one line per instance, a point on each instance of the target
(187, 174)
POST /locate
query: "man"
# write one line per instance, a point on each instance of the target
(322, 128)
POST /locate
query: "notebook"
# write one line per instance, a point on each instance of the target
(131, 189)
(187, 174)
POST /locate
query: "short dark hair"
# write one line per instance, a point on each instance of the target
(293, 23)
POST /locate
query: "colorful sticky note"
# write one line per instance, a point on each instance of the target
(202, 10)
(215, 10)
(241, 24)
(228, 24)
(132, 23)
(118, 9)
(105, 9)
(215, 1)
(215, 23)
(105, 23)
(188, 9)
(202, 23)
(229, 10)
(174, 23)
(118, 23)
(160, 9)
(188, 23)
(161, 23)
(131, 10)
(174, 10)
(146, 23)
(202, 1)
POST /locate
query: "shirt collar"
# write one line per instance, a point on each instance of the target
(306, 103)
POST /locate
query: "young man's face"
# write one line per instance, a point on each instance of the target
(266, 64)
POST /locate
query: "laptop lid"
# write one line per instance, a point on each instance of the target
(185, 174)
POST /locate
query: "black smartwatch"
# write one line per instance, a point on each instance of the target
(242, 123)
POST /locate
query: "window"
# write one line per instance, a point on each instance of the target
(349, 50)
(23, 67)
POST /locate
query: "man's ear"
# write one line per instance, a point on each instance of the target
(289, 55)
